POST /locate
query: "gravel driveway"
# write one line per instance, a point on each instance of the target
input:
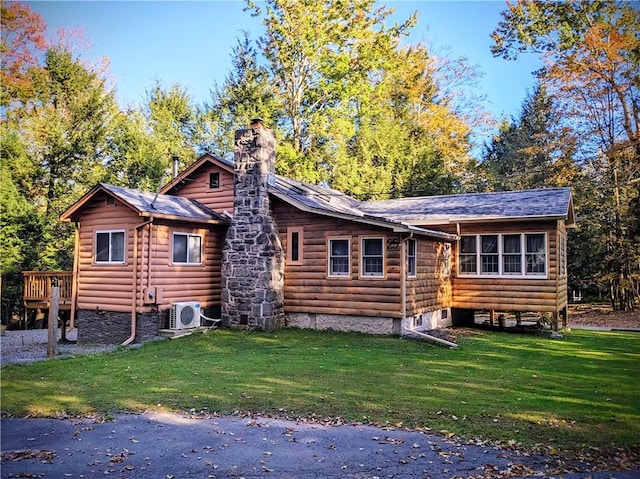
(31, 346)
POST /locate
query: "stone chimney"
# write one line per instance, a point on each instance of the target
(252, 256)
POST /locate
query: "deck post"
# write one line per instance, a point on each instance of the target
(52, 340)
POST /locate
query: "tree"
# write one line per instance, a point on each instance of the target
(592, 55)
(174, 124)
(245, 94)
(67, 129)
(54, 145)
(531, 151)
(22, 40)
(322, 56)
(358, 110)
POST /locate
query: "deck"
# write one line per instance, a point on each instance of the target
(37, 289)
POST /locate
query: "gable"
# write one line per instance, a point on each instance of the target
(209, 181)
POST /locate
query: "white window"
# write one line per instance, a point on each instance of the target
(518, 254)
(372, 257)
(489, 263)
(512, 254)
(110, 246)
(187, 248)
(536, 254)
(468, 262)
(339, 257)
(411, 258)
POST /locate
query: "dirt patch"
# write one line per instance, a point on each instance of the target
(602, 315)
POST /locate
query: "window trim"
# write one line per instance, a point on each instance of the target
(408, 258)
(110, 261)
(330, 239)
(188, 235)
(501, 255)
(291, 230)
(361, 273)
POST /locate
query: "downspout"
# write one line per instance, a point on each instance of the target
(74, 278)
(134, 299)
(404, 303)
(403, 272)
(432, 338)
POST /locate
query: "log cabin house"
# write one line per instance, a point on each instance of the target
(232, 240)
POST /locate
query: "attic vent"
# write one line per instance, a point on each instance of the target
(110, 201)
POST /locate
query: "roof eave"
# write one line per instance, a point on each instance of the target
(380, 222)
(209, 221)
(493, 219)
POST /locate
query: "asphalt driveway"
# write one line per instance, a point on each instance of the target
(171, 446)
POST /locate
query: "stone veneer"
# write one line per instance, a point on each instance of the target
(252, 256)
(109, 327)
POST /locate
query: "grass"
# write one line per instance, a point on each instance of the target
(580, 391)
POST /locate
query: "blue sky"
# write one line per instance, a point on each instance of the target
(190, 43)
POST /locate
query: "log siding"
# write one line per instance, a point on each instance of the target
(308, 286)
(430, 289)
(310, 289)
(110, 287)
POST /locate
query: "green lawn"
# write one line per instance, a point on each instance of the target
(580, 390)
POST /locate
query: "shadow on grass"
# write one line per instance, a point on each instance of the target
(579, 390)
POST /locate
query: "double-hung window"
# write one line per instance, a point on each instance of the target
(339, 257)
(489, 258)
(446, 260)
(468, 263)
(110, 246)
(187, 248)
(513, 254)
(536, 254)
(372, 254)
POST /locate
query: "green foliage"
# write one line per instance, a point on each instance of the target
(173, 121)
(591, 52)
(531, 152)
(592, 400)
(357, 110)
(246, 93)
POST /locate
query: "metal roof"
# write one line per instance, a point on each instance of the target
(545, 203)
(329, 202)
(150, 204)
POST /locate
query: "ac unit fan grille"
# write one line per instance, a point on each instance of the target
(186, 315)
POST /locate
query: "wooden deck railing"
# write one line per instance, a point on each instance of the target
(37, 287)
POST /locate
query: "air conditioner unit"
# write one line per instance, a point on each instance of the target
(184, 315)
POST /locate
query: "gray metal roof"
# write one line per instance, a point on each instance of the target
(329, 202)
(147, 204)
(546, 203)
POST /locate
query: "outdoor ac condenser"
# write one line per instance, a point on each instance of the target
(184, 315)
